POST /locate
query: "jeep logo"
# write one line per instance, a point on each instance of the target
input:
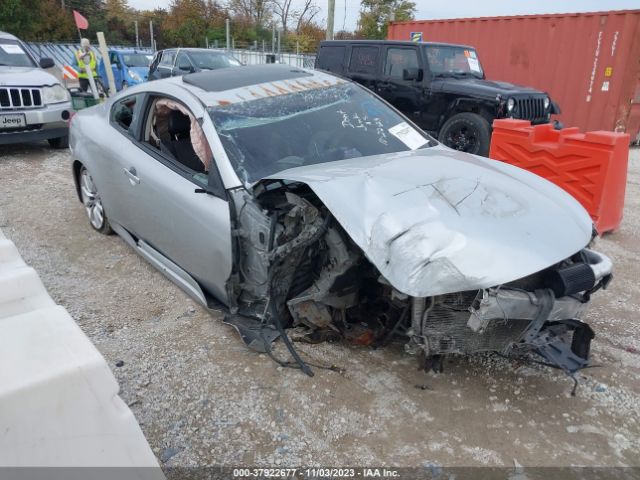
(11, 122)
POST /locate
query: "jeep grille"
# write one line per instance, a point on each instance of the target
(20, 98)
(530, 108)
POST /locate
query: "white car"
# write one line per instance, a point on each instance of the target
(33, 103)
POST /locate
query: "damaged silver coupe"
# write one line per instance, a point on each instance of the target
(298, 199)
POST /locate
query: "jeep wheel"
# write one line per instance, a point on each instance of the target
(60, 142)
(467, 132)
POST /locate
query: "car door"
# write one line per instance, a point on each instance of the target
(165, 67)
(405, 95)
(171, 211)
(183, 64)
(124, 115)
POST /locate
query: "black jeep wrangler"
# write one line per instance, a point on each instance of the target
(440, 86)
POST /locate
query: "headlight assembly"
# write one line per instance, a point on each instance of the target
(547, 102)
(511, 103)
(134, 75)
(55, 94)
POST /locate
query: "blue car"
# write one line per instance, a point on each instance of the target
(130, 67)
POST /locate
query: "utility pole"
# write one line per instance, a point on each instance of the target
(226, 23)
(153, 42)
(273, 38)
(331, 11)
(137, 39)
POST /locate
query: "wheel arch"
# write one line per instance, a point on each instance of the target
(469, 105)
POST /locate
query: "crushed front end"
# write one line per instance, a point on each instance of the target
(296, 266)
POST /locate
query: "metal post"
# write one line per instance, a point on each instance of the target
(137, 39)
(228, 33)
(206, 41)
(262, 46)
(104, 51)
(330, 15)
(153, 43)
(273, 38)
(298, 59)
(279, 36)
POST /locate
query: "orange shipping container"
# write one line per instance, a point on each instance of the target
(588, 62)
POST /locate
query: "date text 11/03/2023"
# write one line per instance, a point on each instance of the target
(315, 473)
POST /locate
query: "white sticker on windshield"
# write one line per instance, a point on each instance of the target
(15, 49)
(474, 64)
(408, 135)
(472, 54)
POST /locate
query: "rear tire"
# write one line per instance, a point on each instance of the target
(467, 132)
(59, 143)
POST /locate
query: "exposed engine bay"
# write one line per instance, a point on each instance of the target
(295, 266)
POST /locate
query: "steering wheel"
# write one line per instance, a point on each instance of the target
(290, 161)
(324, 145)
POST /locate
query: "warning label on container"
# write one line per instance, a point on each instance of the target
(608, 71)
(605, 86)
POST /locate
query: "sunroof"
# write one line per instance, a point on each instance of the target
(237, 77)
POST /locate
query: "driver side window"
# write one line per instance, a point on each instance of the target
(175, 135)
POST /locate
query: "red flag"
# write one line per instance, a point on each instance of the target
(81, 22)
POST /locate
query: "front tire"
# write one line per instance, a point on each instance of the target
(93, 203)
(467, 132)
(59, 143)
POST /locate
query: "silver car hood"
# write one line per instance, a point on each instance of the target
(25, 77)
(437, 221)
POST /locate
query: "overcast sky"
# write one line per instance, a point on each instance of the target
(347, 10)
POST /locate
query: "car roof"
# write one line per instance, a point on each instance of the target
(391, 42)
(8, 36)
(191, 49)
(128, 50)
(235, 77)
(238, 84)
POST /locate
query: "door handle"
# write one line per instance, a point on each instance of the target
(131, 173)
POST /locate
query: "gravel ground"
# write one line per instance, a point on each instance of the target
(202, 398)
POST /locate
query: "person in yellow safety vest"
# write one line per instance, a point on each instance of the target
(85, 56)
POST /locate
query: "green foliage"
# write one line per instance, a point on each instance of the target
(186, 23)
(16, 16)
(376, 14)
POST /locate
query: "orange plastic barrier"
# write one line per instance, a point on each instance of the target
(590, 166)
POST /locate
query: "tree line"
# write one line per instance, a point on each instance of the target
(195, 23)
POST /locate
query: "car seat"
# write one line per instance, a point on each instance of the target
(181, 147)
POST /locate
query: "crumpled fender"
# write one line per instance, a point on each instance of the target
(437, 221)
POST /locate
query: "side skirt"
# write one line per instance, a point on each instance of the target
(172, 271)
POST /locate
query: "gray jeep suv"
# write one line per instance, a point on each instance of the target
(33, 103)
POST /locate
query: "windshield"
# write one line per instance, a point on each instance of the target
(13, 55)
(268, 135)
(452, 61)
(136, 60)
(212, 60)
